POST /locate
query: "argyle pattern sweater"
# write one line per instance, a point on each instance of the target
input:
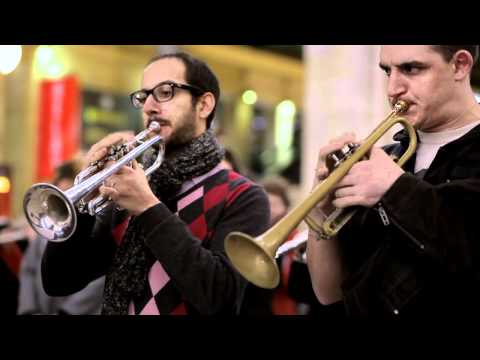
(191, 273)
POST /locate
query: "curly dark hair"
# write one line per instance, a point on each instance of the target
(67, 170)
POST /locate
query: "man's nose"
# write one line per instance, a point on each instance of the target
(151, 107)
(396, 85)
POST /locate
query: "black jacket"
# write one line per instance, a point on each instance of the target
(424, 260)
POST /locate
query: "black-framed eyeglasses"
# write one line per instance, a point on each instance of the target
(165, 91)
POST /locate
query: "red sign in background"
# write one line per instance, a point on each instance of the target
(59, 124)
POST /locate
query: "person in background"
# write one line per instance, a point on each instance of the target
(259, 301)
(32, 298)
(13, 243)
(230, 162)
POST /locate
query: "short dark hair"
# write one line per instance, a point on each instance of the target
(198, 74)
(66, 170)
(447, 51)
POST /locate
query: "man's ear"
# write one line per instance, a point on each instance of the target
(463, 63)
(205, 105)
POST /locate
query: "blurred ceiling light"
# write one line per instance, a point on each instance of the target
(50, 62)
(287, 108)
(249, 97)
(10, 56)
(284, 131)
(44, 55)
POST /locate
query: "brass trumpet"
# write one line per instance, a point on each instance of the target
(254, 257)
(52, 212)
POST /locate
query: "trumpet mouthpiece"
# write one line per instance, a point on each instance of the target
(400, 106)
(154, 126)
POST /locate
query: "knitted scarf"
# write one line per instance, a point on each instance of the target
(128, 274)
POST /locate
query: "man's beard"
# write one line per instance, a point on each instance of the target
(183, 134)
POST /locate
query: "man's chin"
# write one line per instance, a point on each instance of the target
(415, 122)
(166, 132)
(411, 116)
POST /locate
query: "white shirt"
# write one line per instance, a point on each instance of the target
(430, 142)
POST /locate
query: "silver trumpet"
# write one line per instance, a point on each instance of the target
(52, 212)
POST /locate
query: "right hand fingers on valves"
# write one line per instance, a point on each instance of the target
(336, 144)
(94, 157)
(101, 148)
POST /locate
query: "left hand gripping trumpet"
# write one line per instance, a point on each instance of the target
(52, 212)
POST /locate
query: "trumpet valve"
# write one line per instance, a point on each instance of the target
(334, 159)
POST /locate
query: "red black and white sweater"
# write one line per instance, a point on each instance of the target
(192, 273)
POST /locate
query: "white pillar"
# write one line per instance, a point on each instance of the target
(344, 91)
(167, 49)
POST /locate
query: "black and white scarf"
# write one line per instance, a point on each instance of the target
(128, 274)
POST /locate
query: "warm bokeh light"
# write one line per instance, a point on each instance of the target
(10, 56)
(4, 185)
(50, 62)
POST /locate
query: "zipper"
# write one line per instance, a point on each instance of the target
(386, 221)
(383, 214)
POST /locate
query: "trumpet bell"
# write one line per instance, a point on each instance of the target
(50, 212)
(252, 260)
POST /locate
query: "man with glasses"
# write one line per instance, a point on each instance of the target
(163, 253)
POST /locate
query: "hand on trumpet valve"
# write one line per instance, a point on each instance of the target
(367, 181)
(325, 206)
(129, 189)
(108, 146)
